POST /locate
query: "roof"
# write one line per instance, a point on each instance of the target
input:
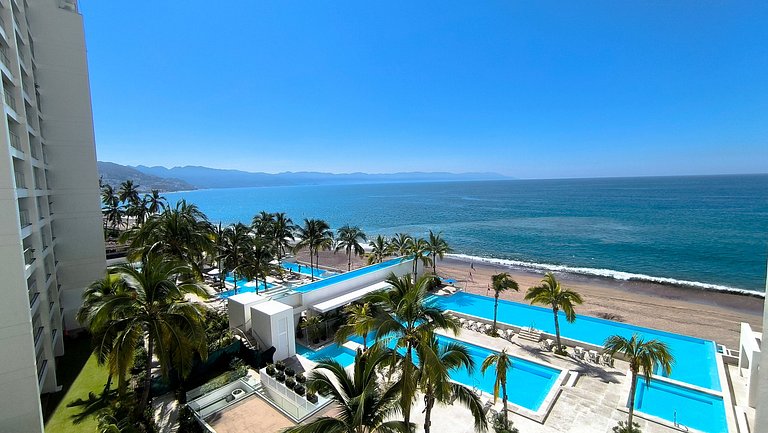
(346, 298)
(246, 298)
(271, 307)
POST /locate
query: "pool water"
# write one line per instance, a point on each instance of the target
(243, 286)
(691, 408)
(342, 355)
(348, 275)
(305, 270)
(695, 359)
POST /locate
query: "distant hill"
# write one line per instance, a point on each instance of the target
(205, 177)
(114, 174)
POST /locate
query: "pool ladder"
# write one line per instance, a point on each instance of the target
(677, 424)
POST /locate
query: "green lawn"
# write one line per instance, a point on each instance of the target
(78, 374)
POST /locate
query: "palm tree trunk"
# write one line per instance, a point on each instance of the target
(406, 376)
(311, 266)
(148, 371)
(632, 389)
(557, 330)
(429, 401)
(349, 260)
(504, 395)
(495, 309)
(107, 386)
(121, 385)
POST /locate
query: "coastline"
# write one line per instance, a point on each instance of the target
(708, 314)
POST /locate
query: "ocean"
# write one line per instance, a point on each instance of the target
(708, 232)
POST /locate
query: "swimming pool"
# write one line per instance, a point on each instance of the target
(695, 359)
(342, 355)
(691, 408)
(305, 270)
(243, 286)
(348, 275)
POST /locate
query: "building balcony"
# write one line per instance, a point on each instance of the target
(24, 220)
(10, 100)
(15, 141)
(39, 336)
(29, 256)
(42, 370)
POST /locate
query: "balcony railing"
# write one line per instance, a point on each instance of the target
(15, 140)
(9, 99)
(19, 176)
(34, 295)
(4, 56)
(38, 334)
(41, 367)
(29, 256)
(24, 218)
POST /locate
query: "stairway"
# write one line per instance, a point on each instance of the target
(530, 334)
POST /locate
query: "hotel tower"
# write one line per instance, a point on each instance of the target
(51, 239)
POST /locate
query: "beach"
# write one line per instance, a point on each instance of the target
(699, 313)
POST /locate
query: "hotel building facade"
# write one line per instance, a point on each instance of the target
(51, 239)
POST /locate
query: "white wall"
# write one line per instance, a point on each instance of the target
(273, 323)
(761, 410)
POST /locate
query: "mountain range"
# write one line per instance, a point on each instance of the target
(196, 177)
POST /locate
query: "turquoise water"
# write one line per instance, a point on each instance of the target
(346, 276)
(703, 230)
(243, 286)
(342, 355)
(695, 359)
(305, 270)
(694, 409)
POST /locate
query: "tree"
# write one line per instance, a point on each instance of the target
(361, 320)
(129, 193)
(437, 247)
(503, 363)
(154, 202)
(258, 261)
(643, 356)
(109, 196)
(236, 242)
(349, 238)
(501, 283)
(263, 223)
(153, 307)
(283, 230)
(138, 211)
(314, 235)
(406, 318)
(380, 249)
(435, 381)
(114, 214)
(400, 243)
(418, 248)
(551, 293)
(361, 404)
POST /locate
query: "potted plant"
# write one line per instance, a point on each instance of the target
(300, 378)
(311, 397)
(280, 366)
(290, 372)
(290, 382)
(280, 376)
(271, 370)
(299, 389)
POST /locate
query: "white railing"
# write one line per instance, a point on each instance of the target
(286, 399)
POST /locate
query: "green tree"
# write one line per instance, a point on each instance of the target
(109, 196)
(361, 320)
(380, 249)
(262, 223)
(500, 284)
(400, 244)
(154, 202)
(419, 249)
(235, 246)
(314, 235)
(129, 193)
(642, 356)
(435, 381)
(409, 321)
(348, 239)
(283, 230)
(437, 248)
(551, 293)
(361, 405)
(259, 261)
(114, 213)
(503, 363)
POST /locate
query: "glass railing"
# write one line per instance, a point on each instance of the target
(33, 296)
(24, 218)
(9, 99)
(4, 56)
(41, 369)
(15, 140)
(38, 334)
(29, 256)
(19, 176)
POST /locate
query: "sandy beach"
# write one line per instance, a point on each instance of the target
(704, 314)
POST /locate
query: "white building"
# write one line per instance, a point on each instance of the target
(51, 241)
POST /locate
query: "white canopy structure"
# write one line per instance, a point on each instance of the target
(340, 301)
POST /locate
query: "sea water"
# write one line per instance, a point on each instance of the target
(706, 231)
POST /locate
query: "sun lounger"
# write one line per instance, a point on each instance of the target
(579, 352)
(470, 324)
(607, 359)
(462, 321)
(487, 328)
(594, 356)
(509, 333)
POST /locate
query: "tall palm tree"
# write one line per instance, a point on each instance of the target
(407, 319)
(349, 238)
(643, 356)
(219, 248)
(182, 232)
(114, 214)
(380, 249)
(109, 196)
(549, 292)
(129, 192)
(262, 223)
(437, 248)
(400, 243)
(283, 234)
(361, 320)
(258, 261)
(435, 381)
(503, 363)
(154, 202)
(361, 404)
(314, 235)
(138, 211)
(419, 249)
(236, 243)
(501, 283)
(153, 307)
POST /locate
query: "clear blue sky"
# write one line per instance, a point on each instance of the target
(527, 89)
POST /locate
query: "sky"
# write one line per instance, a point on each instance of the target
(525, 89)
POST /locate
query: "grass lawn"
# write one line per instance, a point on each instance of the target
(78, 374)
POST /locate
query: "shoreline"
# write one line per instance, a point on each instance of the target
(707, 314)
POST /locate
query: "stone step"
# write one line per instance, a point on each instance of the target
(527, 334)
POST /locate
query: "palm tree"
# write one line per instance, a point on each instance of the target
(155, 203)
(379, 250)
(436, 384)
(182, 232)
(314, 235)
(258, 261)
(361, 404)
(129, 193)
(400, 243)
(109, 196)
(503, 363)
(643, 356)
(262, 223)
(153, 307)
(406, 318)
(437, 247)
(418, 248)
(283, 229)
(551, 293)
(501, 283)
(361, 320)
(137, 210)
(349, 238)
(114, 214)
(236, 242)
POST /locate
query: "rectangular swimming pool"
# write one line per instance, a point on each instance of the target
(348, 275)
(243, 286)
(689, 407)
(305, 270)
(695, 359)
(342, 355)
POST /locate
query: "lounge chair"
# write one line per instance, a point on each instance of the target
(607, 359)
(579, 352)
(471, 324)
(462, 321)
(510, 333)
(594, 356)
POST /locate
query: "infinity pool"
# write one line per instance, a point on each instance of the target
(695, 359)
(243, 286)
(342, 355)
(305, 270)
(691, 408)
(348, 275)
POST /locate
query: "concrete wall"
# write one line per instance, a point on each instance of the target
(273, 323)
(761, 409)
